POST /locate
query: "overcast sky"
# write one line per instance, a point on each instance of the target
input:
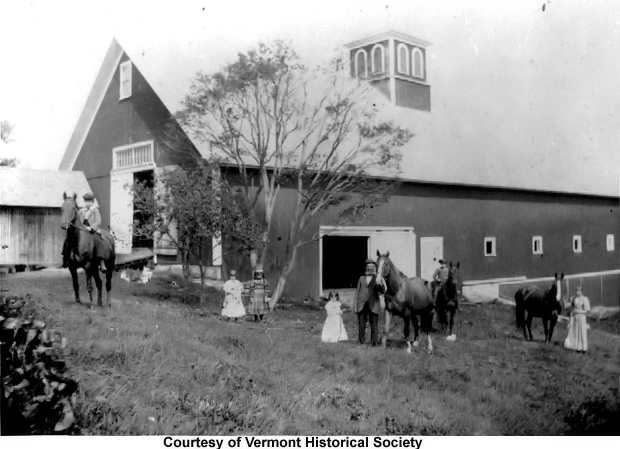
(52, 52)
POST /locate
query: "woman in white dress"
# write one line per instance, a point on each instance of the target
(333, 329)
(577, 338)
(233, 306)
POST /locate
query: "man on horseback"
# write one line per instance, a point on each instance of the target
(439, 278)
(90, 216)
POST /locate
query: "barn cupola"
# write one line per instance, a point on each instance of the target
(394, 63)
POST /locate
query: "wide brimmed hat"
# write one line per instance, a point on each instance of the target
(258, 269)
(89, 197)
(370, 261)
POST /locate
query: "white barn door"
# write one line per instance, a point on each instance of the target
(401, 245)
(431, 252)
(121, 211)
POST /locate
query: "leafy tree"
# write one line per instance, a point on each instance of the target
(187, 208)
(313, 130)
(6, 129)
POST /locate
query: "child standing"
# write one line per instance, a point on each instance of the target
(259, 289)
(333, 329)
(233, 306)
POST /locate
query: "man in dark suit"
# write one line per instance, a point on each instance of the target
(367, 302)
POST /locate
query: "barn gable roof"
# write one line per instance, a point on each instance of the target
(40, 188)
(85, 121)
(449, 146)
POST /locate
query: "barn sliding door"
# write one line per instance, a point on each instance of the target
(401, 245)
(121, 211)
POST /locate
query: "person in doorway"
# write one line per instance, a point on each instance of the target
(90, 217)
(233, 306)
(439, 277)
(259, 289)
(367, 302)
(333, 329)
(577, 339)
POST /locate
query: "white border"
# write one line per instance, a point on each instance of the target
(401, 45)
(579, 248)
(609, 242)
(357, 72)
(372, 59)
(422, 64)
(537, 238)
(494, 241)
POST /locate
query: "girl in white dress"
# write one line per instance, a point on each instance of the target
(577, 338)
(233, 306)
(333, 329)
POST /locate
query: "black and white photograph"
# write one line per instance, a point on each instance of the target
(351, 224)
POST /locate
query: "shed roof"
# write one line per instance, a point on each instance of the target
(40, 188)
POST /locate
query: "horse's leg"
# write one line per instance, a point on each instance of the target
(108, 284)
(528, 324)
(386, 328)
(546, 328)
(407, 332)
(89, 281)
(452, 312)
(427, 323)
(416, 331)
(76, 283)
(98, 283)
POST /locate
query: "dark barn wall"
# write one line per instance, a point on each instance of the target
(138, 118)
(464, 216)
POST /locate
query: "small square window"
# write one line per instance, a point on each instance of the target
(576, 244)
(537, 244)
(610, 242)
(489, 247)
(125, 81)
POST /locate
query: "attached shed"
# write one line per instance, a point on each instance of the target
(30, 200)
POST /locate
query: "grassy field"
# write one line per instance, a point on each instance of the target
(157, 363)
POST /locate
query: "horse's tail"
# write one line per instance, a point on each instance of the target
(520, 308)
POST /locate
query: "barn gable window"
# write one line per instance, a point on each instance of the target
(125, 81)
(134, 155)
(361, 64)
(403, 59)
(537, 244)
(576, 244)
(417, 61)
(490, 247)
(378, 59)
(610, 242)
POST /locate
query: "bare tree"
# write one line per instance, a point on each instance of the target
(316, 131)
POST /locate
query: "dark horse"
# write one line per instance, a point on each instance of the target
(536, 303)
(447, 302)
(407, 298)
(86, 251)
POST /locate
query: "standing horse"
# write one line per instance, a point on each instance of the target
(447, 301)
(407, 298)
(536, 303)
(86, 251)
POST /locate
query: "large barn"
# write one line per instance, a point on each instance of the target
(499, 227)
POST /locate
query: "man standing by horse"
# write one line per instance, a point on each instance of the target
(367, 302)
